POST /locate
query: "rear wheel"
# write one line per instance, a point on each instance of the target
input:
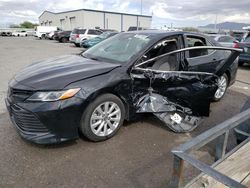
(222, 87)
(102, 118)
(64, 40)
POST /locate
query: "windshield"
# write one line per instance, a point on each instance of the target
(247, 39)
(104, 35)
(118, 49)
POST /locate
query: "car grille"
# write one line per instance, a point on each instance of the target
(26, 121)
(18, 95)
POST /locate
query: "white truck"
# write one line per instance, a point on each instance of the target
(41, 31)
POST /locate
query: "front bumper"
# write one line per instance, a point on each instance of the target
(46, 122)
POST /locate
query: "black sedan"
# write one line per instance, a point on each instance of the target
(173, 75)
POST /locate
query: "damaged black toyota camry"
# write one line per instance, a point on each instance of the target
(174, 75)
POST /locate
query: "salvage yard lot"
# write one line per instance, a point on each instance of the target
(138, 156)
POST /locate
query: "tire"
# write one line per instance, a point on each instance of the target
(43, 37)
(219, 94)
(64, 40)
(77, 45)
(18, 35)
(241, 63)
(97, 132)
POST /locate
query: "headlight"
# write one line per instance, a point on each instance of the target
(53, 95)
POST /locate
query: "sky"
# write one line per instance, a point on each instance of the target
(180, 13)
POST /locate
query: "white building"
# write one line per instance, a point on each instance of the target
(86, 18)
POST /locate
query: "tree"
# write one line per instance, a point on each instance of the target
(28, 25)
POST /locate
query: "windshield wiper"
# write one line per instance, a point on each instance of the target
(93, 58)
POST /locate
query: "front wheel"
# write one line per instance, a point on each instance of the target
(77, 44)
(222, 87)
(102, 118)
(43, 37)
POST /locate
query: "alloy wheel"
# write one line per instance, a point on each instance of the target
(222, 86)
(105, 118)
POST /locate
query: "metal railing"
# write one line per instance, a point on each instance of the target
(221, 132)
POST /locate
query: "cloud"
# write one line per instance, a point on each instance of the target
(179, 12)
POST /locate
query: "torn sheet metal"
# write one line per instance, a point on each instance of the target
(176, 117)
(179, 99)
(182, 89)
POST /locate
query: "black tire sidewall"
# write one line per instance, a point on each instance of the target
(241, 63)
(85, 120)
(64, 40)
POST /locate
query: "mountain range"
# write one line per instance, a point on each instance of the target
(227, 25)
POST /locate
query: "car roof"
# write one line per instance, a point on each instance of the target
(163, 33)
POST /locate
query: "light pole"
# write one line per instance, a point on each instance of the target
(141, 7)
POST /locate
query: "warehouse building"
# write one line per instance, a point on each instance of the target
(87, 18)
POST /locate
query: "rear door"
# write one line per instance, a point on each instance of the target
(202, 60)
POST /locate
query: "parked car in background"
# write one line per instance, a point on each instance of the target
(20, 34)
(5, 34)
(63, 36)
(238, 35)
(172, 75)
(41, 31)
(108, 30)
(245, 45)
(225, 40)
(79, 34)
(51, 34)
(91, 42)
(134, 28)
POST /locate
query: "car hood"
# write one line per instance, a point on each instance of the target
(56, 73)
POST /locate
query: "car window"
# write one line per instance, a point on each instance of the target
(247, 39)
(195, 41)
(165, 63)
(94, 32)
(79, 31)
(226, 39)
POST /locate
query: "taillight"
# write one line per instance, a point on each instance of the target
(77, 35)
(236, 45)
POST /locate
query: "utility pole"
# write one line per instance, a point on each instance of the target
(215, 25)
(141, 7)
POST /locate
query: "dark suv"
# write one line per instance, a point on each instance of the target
(245, 45)
(62, 36)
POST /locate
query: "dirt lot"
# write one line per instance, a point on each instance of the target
(138, 156)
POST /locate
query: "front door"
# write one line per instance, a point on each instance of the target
(202, 60)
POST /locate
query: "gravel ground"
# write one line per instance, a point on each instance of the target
(138, 156)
